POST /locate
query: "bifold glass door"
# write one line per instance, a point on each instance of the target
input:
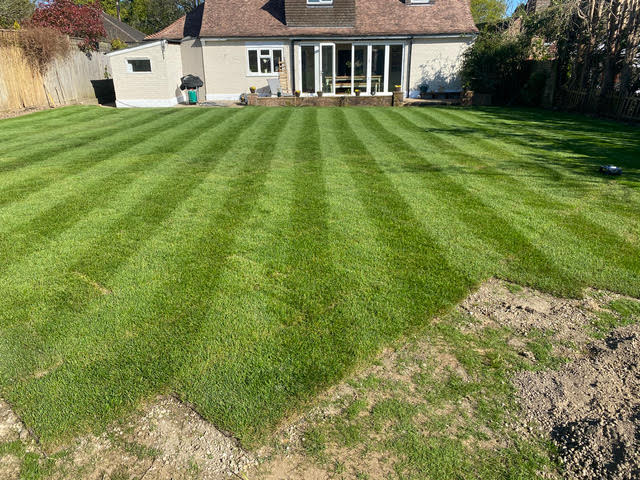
(344, 68)
(327, 71)
(318, 68)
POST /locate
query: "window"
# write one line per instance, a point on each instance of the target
(264, 61)
(418, 2)
(139, 65)
(319, 2)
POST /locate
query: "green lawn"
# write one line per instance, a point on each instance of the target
(246, 259)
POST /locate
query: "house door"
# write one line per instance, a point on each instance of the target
(318, 68)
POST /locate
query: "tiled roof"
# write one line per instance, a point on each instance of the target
(120, 30)
(266, 18)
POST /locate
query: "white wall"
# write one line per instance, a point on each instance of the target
(191, 52)
(226, 69)
(158, 88)
(437, 62)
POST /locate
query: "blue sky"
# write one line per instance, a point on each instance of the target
(512, 4)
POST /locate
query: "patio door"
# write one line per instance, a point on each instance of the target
(318, 68)
(327, 74)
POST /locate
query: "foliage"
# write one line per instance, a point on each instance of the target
(148, 16)
(598, 43)
(531, 93)
(117, 44)
(488, 11)
(12, 11)
(41, 45)
(494, 64)
(81, 21)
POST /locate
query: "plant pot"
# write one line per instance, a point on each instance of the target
(252, 89)
(319, 93)
(398, 88)
(297, 94)
(357, 94)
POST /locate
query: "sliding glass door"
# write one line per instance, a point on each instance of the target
(344, 68)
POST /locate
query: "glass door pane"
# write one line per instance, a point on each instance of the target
(360, 68)
(308, 54)
(327, 68)
(377, 68)
(395, 66)
(343, 68)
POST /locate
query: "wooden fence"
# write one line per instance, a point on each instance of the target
(616, 106)
(66, 81)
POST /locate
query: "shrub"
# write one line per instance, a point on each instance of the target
(495, 64)
(117, 44)
(13, 12)
(41, 45)
(80, 21)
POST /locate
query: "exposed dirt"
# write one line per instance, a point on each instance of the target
(591, 408)
(167, 440)
(499, 304)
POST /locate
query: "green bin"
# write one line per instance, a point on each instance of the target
(193, 97)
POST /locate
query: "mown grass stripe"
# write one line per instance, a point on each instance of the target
(140, 215)
(561, 213)
(589, 182)
(426, 275)
(49, 221)
(581, 156)
(62, 146)
(43, 117)
(95, 164)
(484, 221)
(140, 363)
(60, 162)
(21, 138)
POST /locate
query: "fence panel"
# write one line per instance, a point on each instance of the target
(616, 106)
(67, 80)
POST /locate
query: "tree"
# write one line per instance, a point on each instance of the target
(160, 14)
(488, 11)
(81, 21)
(495, 65)
(598, 43)
(12, 11)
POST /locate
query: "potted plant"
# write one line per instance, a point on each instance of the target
(279, 94)
(398, 88)
(297, 93)
(252, 89)
(357, 92)
(424, 90)
(319, 93)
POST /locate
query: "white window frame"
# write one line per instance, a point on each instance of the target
(419, 2)
(130, 67)
(258, 49)
(313, 3)
(388, 88)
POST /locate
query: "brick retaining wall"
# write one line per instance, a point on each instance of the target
(337, 101)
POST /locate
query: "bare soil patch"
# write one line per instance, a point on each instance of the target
(167, 440)
(591, 408)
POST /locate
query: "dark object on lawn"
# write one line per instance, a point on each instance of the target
(610, 170)
(190, 82)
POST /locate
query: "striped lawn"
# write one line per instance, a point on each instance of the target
(247, 259)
